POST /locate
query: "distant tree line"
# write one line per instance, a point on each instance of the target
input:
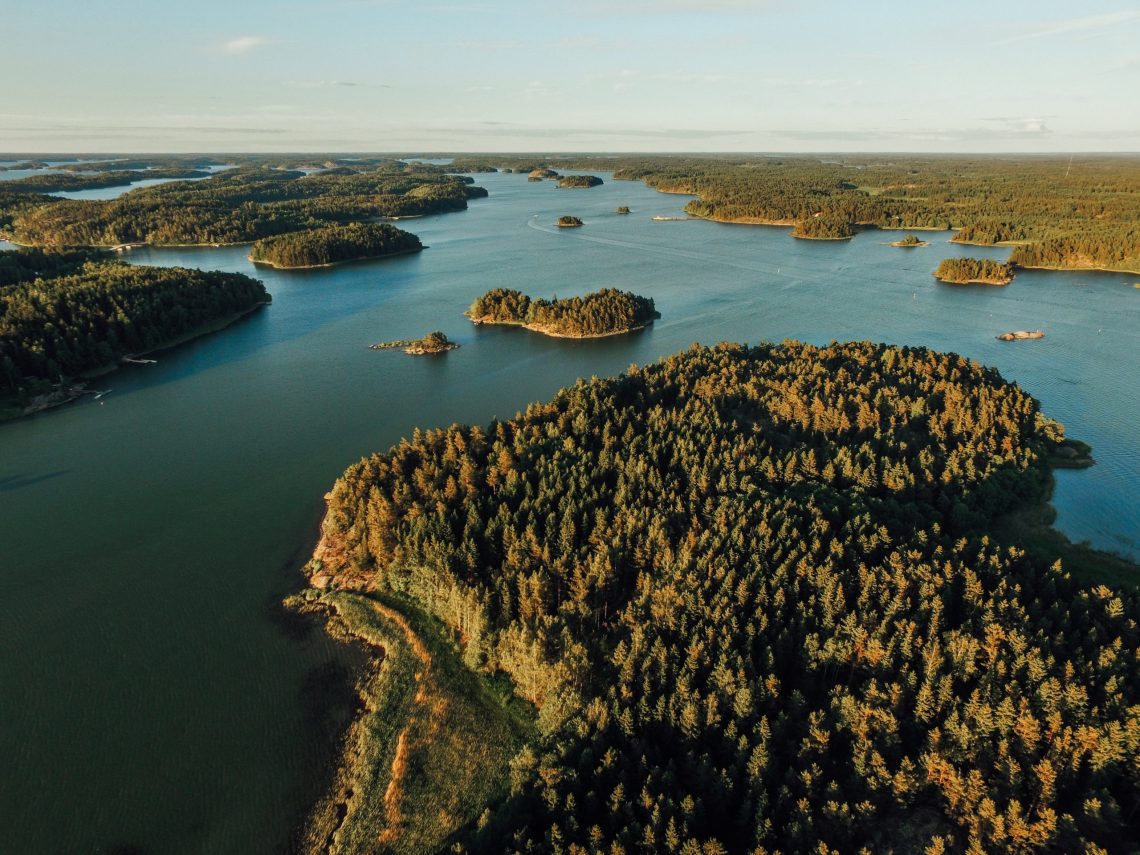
(235, 206)
(1081, 214)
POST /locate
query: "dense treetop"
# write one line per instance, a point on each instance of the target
(824, 227)
(600, 313)
(580, 181)
(749, 591)
(980, 270)
(333, 245)
(88, 316)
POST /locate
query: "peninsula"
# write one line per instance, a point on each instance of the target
(974, 271)
(324, 247)
(706, 572)
(603, 313)
(433, 342)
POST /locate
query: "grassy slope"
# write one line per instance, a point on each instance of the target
(431, 746)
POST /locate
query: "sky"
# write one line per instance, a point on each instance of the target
(589, 75)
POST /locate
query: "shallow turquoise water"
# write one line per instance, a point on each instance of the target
(149, 697)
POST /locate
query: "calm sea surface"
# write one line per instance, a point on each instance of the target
(153, 700)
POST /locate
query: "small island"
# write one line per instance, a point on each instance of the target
(329, 245)
(568, 222)
(603, 313)
(433, 342)
(540, 173)
(974, 271)
(909, 241)
(1021, 335)
(824, 227)
(573, 181)
(624, 209)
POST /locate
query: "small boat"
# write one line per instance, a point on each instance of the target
(1021, 335)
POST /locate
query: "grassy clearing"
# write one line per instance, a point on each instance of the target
(431, 746)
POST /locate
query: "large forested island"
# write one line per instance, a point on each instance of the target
(323, 247)
(65, 314)
(978, 271)
(753, 598)
(238, 205)
(1082, 214)
(601, 313)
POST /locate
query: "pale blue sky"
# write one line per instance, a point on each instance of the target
(590, 75)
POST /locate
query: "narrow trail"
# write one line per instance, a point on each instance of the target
(423, 722)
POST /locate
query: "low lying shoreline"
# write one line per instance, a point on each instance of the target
(538, 328)
(995, 282)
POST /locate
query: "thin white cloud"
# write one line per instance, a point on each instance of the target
(1021, 125)
(330, 84)
(1075, 25)
(243, 44)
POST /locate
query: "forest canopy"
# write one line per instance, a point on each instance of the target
(87, 314)
(579, 181)
(751, 593)
(982, 271)
(333, 245)
(605, 312)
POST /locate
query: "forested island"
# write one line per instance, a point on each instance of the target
(324, 247)
(580, 181)
(754, 600)
(1079, 215)
(433, 342)
(567, 221)
(623, 209)
(980, 271)
(238, 205)
(910, 241)
(824, 227)
(66, 315)
(601, 313)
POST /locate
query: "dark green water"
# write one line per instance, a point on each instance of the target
(150, 696)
